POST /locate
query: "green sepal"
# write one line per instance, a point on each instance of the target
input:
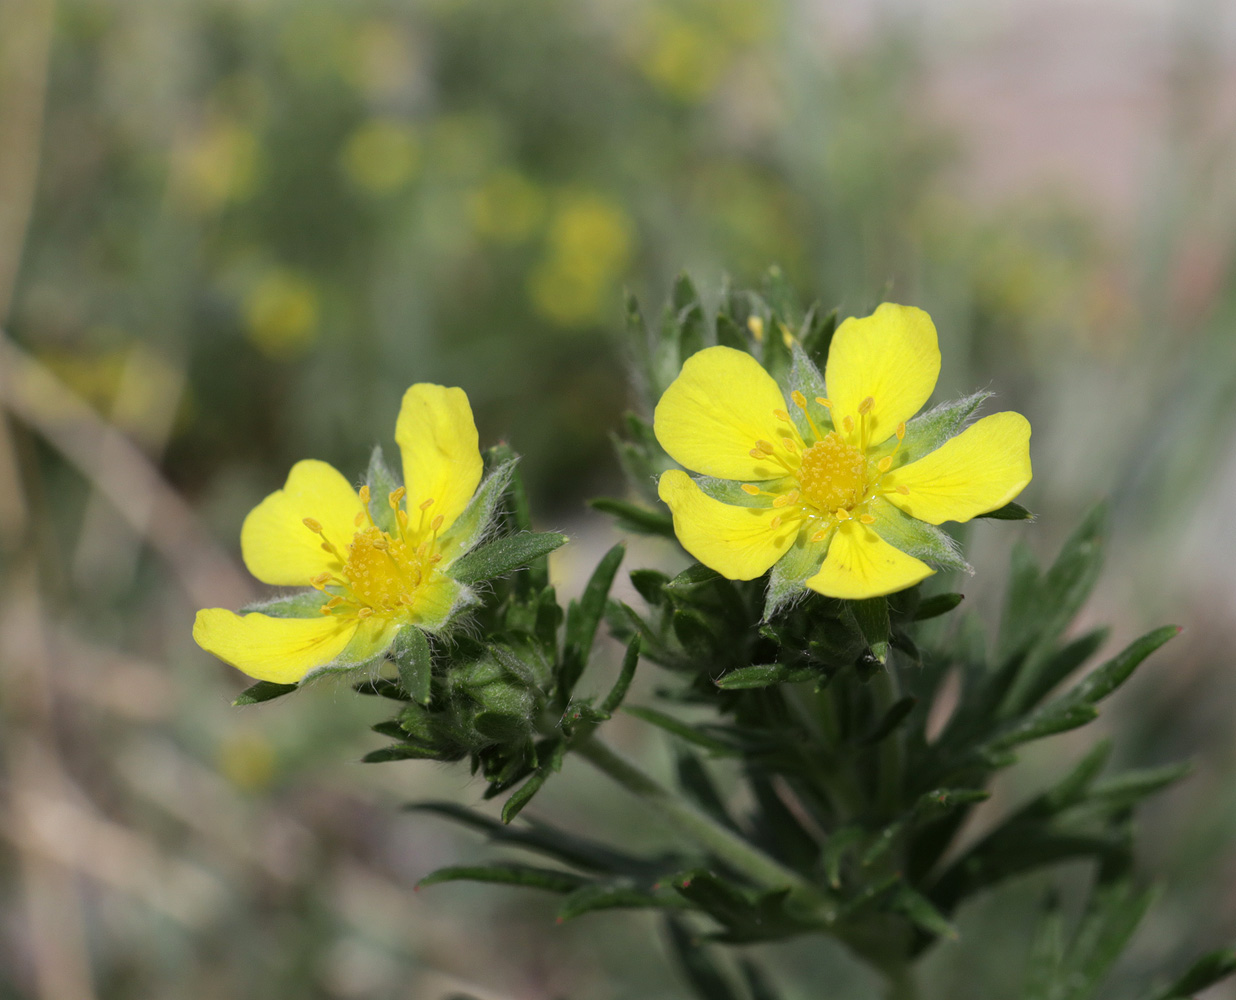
(1009, 512)
(414, 659)
(805, 377)
(471, 526)
(367, 649)
(621, 895)
(926, 432)
(936, 605)
(817, 334)
(382, 483)
(263, 691)
(504, 556)
(302, 604)
(731, 492)
(788, 579)
(914, 537)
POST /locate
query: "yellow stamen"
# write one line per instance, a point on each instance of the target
(865, 406)
(364, 612)
(820, 535)
(751, 490)
(756, 453)
(886, 463)
(775, 523)
(789, 445)
(756, 325)
(799, 399)
(320, 580)
(826, 403)
(333, 603)
(313, 525)
(782, 416)
(364, 495)
(867, 519)
(903, 490)
(381, 544)
(764, 446)
(396, 496)
(359, 519)
(427, 504)
(436, 523)
(901, 431)
(841, 514)
(848, 424)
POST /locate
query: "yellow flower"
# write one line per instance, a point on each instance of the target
(835, 490)
(379, 559)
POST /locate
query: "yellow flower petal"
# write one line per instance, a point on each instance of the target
(277, 546)
(441, 458)
(892, 356)
(714, 412)
(982, 468)
(860, 564)
(281, 650)
(740, 543)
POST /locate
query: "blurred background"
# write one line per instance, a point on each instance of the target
(232, 232)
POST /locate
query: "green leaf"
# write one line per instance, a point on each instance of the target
(507, 874)
(400, 751)
(584, 616)
(1204, 973)
(504, 555)
(923, 913)
(894, 717)
(263, 691)
(382, 483)
(523, 795)
(688, 314)
(1009, 512)
(576, 851)
(414, 659)
(639, 520)
(694, 780)
(840, 843)
(936, 605)
(681, 729)
(302, 604)
(1036, 678)
(608, 896)
(1125, 790)
(1114, 912)
(766, 675)
(729, 334)
(1102, 681)
(619, 691)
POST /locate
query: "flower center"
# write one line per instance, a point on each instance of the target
(833, 474)
(381, 573)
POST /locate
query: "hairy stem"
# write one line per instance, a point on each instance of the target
(726, 845)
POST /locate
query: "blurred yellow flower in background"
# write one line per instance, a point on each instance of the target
(281, 314)
(834, 488)
(382, 156)
(589, 243)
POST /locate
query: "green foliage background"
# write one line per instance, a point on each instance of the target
(255, 223)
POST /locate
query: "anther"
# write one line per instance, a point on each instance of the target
(901, 431)
(359, 519)
(365, 494)
(764, 446)
(826, 403)
(364, 612)
(775, 523)
(784, 500)
(865, 406)
(819, 536)
(406, 598)
(313, 525)
(886, 463)
(789, 445)
(903, 490)
(436, 523)
(756, 453)
(381, 544)
(320, 580)
(427, 504)
(402, 517)
(848, 424)
(799, 399)
(750, 490)
(333, 603)
(867, 519)
(782, 416)
(395, 496)
(841, 514)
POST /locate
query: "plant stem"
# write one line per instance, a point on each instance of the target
(884, 686)
(728, 846)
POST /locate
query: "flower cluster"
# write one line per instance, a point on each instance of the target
(832, 485)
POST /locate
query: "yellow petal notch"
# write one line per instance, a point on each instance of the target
(740, 543)
(441, 455)
(881, 370)
(860, 564)
(982, 468)
(280, 540)
(721, 405)
(281, 650)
